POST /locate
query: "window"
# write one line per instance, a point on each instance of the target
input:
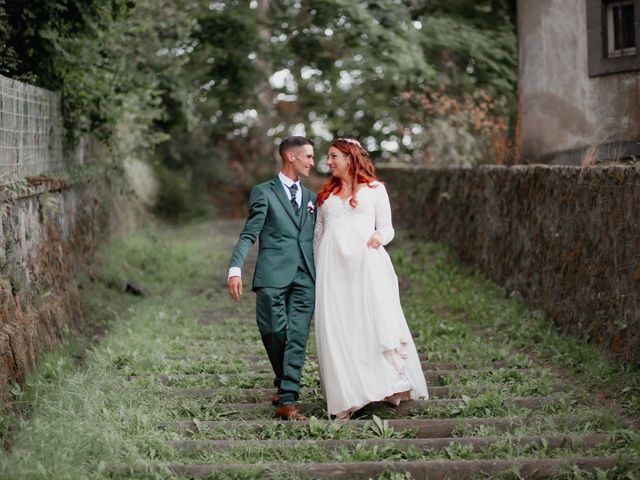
(613, 35)
(621, 31)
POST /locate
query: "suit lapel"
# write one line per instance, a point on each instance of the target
(305, 202)
(278, 189)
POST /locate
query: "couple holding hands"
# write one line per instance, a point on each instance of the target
(326, 254)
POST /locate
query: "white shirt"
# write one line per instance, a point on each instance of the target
(286, 183)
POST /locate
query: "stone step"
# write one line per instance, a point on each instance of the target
(262, 357)
(240, 358)
(422, 428)
(190, 349)
(528, 402)
(433, 377)
(256, 395)
(477, 444)
(265, 366)
(432, 469)
(250, 410)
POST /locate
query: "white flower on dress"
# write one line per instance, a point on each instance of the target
(310, 208)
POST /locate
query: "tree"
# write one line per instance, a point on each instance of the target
(103, 56)
(340, 67)
(212, 86)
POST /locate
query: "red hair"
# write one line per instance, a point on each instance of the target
(361, 170)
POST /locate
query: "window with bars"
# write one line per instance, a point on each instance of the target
(613, 36)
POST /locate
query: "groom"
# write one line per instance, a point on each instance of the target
(282, 216)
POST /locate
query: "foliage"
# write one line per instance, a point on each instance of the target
(176, 199)
(381, 429)
(210, 87)
(484, 313)
(337, 68)
(114, 61)
(8, 59)
(461, 131)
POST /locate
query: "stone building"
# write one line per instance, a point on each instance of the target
(579, 80)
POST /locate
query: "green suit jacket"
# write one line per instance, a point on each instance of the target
(286, 239)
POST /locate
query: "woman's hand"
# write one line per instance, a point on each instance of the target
(375, 241)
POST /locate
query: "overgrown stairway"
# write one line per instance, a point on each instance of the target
(178, 386)
(492, 413)
(482, 420)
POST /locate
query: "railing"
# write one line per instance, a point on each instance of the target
(30, 130)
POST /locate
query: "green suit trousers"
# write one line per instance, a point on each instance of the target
(283, 316)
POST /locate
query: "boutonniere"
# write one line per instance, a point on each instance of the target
(310, 208)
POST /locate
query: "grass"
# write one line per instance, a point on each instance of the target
(487, 321)
(89, 407)
(506, 448)
(316, 429)
(86, 417)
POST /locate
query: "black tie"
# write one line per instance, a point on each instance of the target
(294, 190)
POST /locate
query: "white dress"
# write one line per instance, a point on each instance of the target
(365, 349)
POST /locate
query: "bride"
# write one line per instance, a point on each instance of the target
(365, 349)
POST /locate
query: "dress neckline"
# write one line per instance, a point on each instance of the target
(360, 185)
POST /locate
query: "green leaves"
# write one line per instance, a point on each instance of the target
(379, 428)
(490, 404)
(322, 429)
(475, 57)
(103, 57)
(192, 82)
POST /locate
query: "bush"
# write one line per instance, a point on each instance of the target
(177, 200)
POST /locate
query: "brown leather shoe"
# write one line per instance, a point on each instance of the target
(289, 412)
(275, 400)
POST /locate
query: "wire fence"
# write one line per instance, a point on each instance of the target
(30, 130)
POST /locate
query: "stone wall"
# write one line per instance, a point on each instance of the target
(48, 232)
(566, 238)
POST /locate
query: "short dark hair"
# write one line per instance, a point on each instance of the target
(291, 142)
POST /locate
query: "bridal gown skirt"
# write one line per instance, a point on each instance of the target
(365, 348)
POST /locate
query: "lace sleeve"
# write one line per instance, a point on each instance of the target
(383, 215)
(318, 231)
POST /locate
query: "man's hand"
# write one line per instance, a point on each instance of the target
(234, 285)
(375, 241)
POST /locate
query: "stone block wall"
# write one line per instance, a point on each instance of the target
(566, 238)
(47, 234)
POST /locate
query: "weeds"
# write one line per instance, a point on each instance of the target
(80, 419)
(480, 318)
